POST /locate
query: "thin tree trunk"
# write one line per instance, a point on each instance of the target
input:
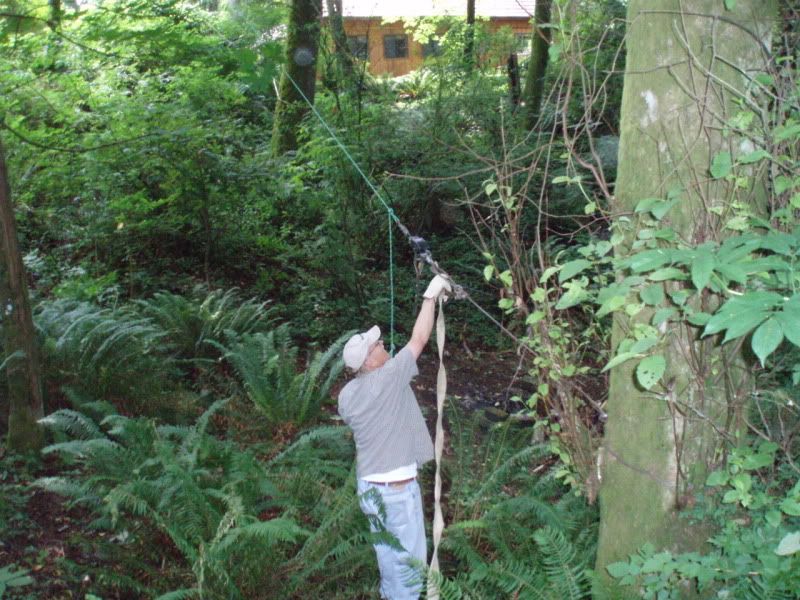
(469, 42)
(25, 402)
(686, 67)
(300, 70)
(336, 23)
(537, 63)
(513, 79)
(56, 13)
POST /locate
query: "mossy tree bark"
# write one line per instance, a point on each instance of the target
(537, 63)
(24, 390)
(302, 45)
(688, 64)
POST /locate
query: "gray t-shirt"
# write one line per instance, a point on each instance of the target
(383, 413)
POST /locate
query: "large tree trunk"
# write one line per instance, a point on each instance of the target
(24, 391)
(537, 63)
(687, 61)
(301, 67)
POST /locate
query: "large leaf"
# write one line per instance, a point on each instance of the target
(650, 370)
(702, 267)
(649, 260)
(572, 268)
(767, 338)
(721, 165)
(789, 318)
(789, 544)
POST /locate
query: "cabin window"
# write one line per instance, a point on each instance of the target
(431, 48)
(358, 46)
(395, 46)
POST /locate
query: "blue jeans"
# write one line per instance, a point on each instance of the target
(402, 571)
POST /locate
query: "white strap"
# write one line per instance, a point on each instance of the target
(441, 392)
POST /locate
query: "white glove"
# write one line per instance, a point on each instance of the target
(437, 287)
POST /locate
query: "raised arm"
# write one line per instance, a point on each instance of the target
(422, 328)
(424, 324)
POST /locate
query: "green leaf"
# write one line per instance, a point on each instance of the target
(650, 370)
(619, 359)
(655, 206)
(662, 315)
(643, 345)
(789, 544)
(702, 267)
(773, 518)
(610, 305)
(730, 4)
(791, 507)
(717, 478)
(784, 132)
(789, 318)
(505, 303)
(488, 271)
(754, 156)
(649, 260)
(548, 273)
(506, 278)
(574, 295)
(572, 268)
(618, 569)
(667, 274)
(554, 52)
(767, 338)
(699, 319)
(721, 165)
(782, 183)
(534, 317)
(652, 294)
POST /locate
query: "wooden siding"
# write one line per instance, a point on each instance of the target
(375, 30)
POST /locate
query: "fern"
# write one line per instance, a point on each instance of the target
(266, 364)
(100, 350)
(566, 574)
(202, 492)
(198, 324)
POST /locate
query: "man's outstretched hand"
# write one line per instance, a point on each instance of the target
(438, 286)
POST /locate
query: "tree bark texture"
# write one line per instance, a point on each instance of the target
(301, 67)
(537, 63)
(688, 61)
(24, 390)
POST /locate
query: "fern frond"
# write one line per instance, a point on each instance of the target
(73, 423)
(565, 573)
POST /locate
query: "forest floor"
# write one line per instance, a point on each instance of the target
(67, 558)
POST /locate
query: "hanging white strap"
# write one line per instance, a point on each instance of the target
(441, 392)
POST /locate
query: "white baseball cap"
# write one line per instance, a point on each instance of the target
(357, 347)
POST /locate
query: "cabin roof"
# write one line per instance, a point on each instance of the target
(520, 9)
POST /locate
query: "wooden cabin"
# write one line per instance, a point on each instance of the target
(376, 29)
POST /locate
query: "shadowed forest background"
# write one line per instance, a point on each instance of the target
(185, 246)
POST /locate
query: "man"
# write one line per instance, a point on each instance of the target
(392, 442)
